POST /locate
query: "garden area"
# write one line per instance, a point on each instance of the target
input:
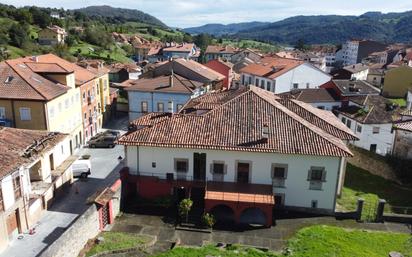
(359, 183)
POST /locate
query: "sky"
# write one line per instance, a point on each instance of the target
(188, 13)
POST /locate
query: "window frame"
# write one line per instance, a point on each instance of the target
(162, 105)
(2, 112)
(177, 160)
(376, 130)
(21, 114)
(144, 106)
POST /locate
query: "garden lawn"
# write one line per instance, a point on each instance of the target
(115, 54)
(399, 101)
(360, 183)
(233, 251)
(117, 241)
(326, 241)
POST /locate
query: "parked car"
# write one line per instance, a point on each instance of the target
(81, 168)
(102, 141)
(114, 133)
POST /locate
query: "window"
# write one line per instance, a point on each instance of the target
(181, 165)
(257, 82)
(372, 148)
(268, 85)
(67, 103)
(316, 177)
(321, 107)
(314, 204)
(170, 106)
(375, 130)
(84, 97)
(160, 107)
(105, 84)
(62, 148)
(344, 120)
(243, 79)
(307, 85)
(179, 107)
(2, 113)
(295, 85)
(51, 114)
(16, 187)
(359, 129)
(144, 106)
(250, 80)
(153, 165)
(25, 114)
(279, 199)
(279, 174)
(348, 123)
(97, 90)
(218, 168)
(262, 84)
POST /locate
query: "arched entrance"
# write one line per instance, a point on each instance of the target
(223, 214)
(253, 216)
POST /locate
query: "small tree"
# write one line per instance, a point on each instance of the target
(184, 207)
(209, 220)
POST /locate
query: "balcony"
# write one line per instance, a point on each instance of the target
(89, 100)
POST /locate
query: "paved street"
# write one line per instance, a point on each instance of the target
(63, 212)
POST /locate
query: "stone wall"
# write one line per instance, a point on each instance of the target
(85, 227)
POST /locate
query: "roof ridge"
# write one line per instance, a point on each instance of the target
(225, 103)
(332, 139)
(174, 75)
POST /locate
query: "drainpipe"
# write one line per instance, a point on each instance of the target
(24, 201)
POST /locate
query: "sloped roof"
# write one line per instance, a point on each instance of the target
(180, 48)
(354, 87)
(355, 68)
(198, 68)
(216, 49)
(13, 143)
(312, 95)
(406, 126)
(271, 67)
(240, 121)
(163, 84)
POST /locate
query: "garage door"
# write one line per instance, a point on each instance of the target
(12, 225)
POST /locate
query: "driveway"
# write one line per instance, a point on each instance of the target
(68, 207)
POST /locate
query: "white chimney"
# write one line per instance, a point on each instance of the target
(265, 131)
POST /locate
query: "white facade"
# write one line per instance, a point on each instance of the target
(302, 77)
(378, 138)
(361, 75)
(409, 100)
(349, 53)
(295, 192)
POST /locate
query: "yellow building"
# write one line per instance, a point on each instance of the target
(397, 81)
(42, 96)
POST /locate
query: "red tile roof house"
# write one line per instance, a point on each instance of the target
(257, 163)
(281, 75)
(223, 67)
(34, 165)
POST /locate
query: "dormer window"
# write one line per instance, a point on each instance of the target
(9, 79)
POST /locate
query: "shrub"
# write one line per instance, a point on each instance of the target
(209, 220)
(184, 207)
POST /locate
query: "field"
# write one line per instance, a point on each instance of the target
(115, 54)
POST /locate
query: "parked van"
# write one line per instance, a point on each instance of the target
(102, 141)
(82, 168)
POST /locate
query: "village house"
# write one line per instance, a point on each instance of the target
(403, 139)
(35, 166)
(39, 94)
(353, 51)
(250, 166)
(243, 58)
(214, 52)
(191, 70)
(345, 89)
(184, 50)
(223, 67)
(321, 98)
(376, 77)
(281, 75)
(165, 93)
(52, 35)
(371, 118)
(119, 72)
(357, 71)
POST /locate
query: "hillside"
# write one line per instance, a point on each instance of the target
(391, 27)
(121, 15)
(220, 29)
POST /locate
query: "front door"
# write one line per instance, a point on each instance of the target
(199, 166)
(243, 169)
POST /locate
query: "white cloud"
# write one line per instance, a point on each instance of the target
(185, 13)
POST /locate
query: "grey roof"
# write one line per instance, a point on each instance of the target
(355, 68)
(355, 87)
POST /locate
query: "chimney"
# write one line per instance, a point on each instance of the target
(35, 58)
(171, 80)
(265, 131)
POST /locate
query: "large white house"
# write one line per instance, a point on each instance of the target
(280, 75)
(245, 149)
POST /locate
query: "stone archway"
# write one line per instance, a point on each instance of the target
(253, 215)
(223, 214)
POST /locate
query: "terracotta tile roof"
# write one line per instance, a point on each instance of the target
(163, 84)
(407, 112)
(242, 119)
(406, 126)
(271, 67)
(372, 109)
(311, 95)
(46, 67)
(96, 67)
(14, 142)
(18, 81)
(216, 49)
(199, 69)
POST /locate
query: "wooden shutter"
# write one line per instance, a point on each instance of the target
(286, 173)
(225, 169)
(309, 174)
(211, 169)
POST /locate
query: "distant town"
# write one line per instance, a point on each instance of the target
(120, 136)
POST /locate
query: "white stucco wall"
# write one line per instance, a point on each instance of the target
(362, 75)
(296, 189)
(383, 140)
(305, 75)
(326, 105)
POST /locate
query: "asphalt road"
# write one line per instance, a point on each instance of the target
(105, 170)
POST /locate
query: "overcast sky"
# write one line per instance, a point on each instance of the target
(187, 13)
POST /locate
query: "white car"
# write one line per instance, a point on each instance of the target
(81, 168)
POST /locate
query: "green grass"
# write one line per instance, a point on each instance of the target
(117, 241)
(15, 52)
(265, 47)
(116, 53)
(401, 102)
(326, 241)
(360, 183)
(210, 250)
